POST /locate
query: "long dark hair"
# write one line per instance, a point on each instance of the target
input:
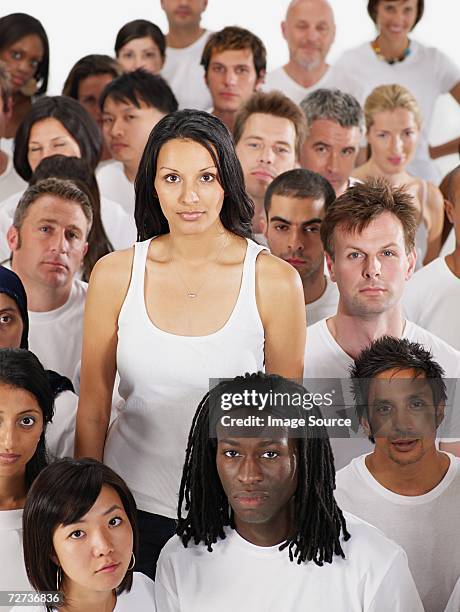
(21, 369)
(207, 130)
(74, 118)
(63, 493)
(78, 171)
(18, 25)
(140, 28)
(318, 522)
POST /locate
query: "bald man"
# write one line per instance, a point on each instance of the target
(309, 30)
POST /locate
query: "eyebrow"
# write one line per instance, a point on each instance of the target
(358, 248)
(234, 442)
(309, 222)
(178, 171)
(82, 520)
(52, 139)
(25, 411)
(283, 142)
(54, 222)
(9, 309)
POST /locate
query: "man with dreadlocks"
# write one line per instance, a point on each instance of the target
(406, 486)
(259, 528)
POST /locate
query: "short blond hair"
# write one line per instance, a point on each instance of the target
(390, 98)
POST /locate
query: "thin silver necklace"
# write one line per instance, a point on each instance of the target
(193, 294)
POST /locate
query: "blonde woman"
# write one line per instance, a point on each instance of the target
(393, 124)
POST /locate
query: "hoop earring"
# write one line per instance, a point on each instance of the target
(133, 563)
(58, 577)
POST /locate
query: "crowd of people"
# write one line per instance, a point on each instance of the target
(228, 299)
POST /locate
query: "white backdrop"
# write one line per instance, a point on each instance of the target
(79, 27)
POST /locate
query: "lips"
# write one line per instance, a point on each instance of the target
(8, 458)
(296, 262)
(108, 568)
(404, 445)
(262, 174)
(251, 499)
(396, 161)
(372, 290)
(56, 264)
(192, 215)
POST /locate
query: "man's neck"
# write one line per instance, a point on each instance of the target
(314, 287)
(353, 333)
(416, 478)
(259, 214)
(40, 297)
(3, 162)
(180, 38)
(228, 117)
(304, 77)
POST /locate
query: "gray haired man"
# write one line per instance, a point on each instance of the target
(335, 126)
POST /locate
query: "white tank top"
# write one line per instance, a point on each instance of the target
(164, 376)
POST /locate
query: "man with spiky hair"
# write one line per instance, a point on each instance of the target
(261, 529)
(405, 486)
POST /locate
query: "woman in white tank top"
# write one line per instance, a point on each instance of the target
(193, 304)
(393, 123)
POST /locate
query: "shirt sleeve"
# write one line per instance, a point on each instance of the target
(397, 591)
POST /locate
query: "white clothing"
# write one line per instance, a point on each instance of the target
(141, 598)
(238, 575)
(426, 526)
(426, 72)
(60, 433)
(432, 300)
(118, 224)
(280, 80)
(449, 246)
(325, 306)
(453, 604)
(114, 185)
(56, 336)
(10, 181)
(13, 575)
(146, 443)
(185, 74)
(8, 145)
(325, 358)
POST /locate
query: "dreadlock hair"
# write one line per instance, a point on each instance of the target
(318, 521)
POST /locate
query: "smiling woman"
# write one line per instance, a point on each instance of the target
(197, 296)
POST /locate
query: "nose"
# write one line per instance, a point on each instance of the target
(116, 128)
(189, 194)
(397, 144)
(296, 240)
(333, 162)
(7, 436)
(230, 77)
(402, 421)
(59, 242)
(101, 543)
(250, 472)
(372, 267)
(266, 154)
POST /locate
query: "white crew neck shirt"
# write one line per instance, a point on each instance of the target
(331, 79)
(238, 575)
(439, 312)
(13, 575)
(325, 306)
(140, 598)
(10, 181)
(426, 526)
(115, 185)
(56, 336)
(427, 73)
(185, 74)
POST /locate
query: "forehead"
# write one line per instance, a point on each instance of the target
(179, 153)
(57, 209)
(7, 302)
(113, 106)
(141, 42)
(15, 400)
(383, 230)
(397, 118)
(230, 57)
(397, 383)
(412, 3)
(49, 127)
(30, 44)
(311, 11)
(296, 209)
(94, 81)
(269, 128)
(331, 133)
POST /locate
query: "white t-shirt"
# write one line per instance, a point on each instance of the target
(119, 226)
(426, 526)
(13, 575)
(453, 604)
(10, 181)
(439, 312)
(325, 306)
(280, 80)
(239, 575)
(114, 185)
(56, 336)
(185, 74)
(141, 598)
(325, 358)
(449, 246)
(426, 72)
(60, 433)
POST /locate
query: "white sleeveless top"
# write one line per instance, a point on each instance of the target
(164, 376)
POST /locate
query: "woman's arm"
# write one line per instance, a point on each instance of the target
(435, 203)
(281, 304)
(452, 146)
(107, 289)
